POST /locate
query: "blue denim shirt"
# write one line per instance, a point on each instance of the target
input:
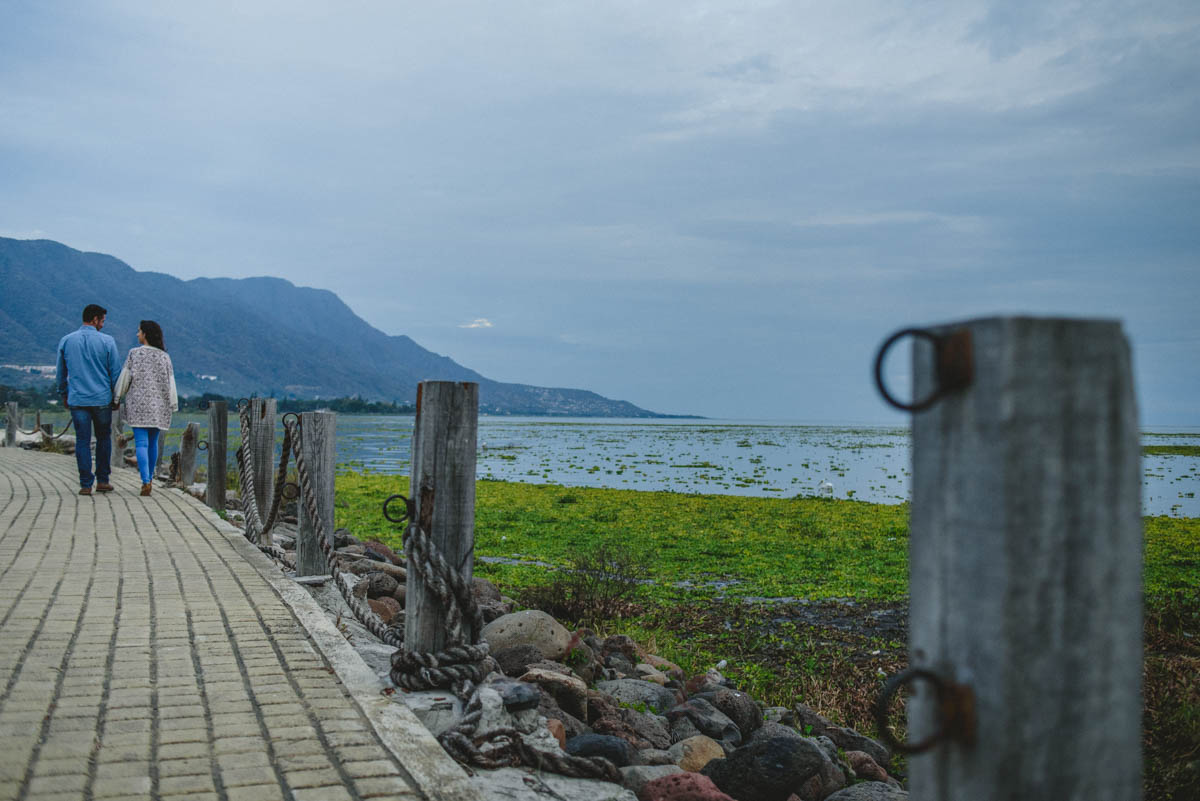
(88, 367)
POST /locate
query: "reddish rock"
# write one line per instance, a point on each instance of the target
(865, 767)
(558, 730)
(682, 787)
(384, 551)
(670, 668)
(380, 585)
(387, 609)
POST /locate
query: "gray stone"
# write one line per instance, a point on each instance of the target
(516, 660)
(519, 784)
(768, 770)
(737, 706)
(614, 749)
(637, 691)
(846, 739)
(518, 695)
(528, 627)
(869, 791)
(682, 729)
(709, 720)
(634, 777)
(655, 756)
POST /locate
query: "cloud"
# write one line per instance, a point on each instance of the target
(478, 322)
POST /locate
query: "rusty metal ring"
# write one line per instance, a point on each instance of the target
(295, 490)
(294, 416)
(890, 688)
(406, 515)
(202, 445)
(883, 349)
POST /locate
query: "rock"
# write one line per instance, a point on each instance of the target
(779, 714)
(518, 784)
(619, 663)
(381, 585)
(360, 589)
(865, 767)
(636, 691)
(386, 608)
(768, 730)
(846, 739)
(641, 730)
(343, 538)
(494, 610)
(624, 645)
(569, 692)
(656, 756)
(829, 747)
(738, 707)
(401, 593)
(709, 720)
(614, 749)
(694, 753)
(528, 627)
(665, 666)
(682, 728)
(710, 681)
(553, 667)
(572, 726)
(379, 549)
(682, 787)
(869, 791)
(516, 660)
(767, 770)
(517, 695)
(484, 591)
(829, 779)
(495, 714)
(635, 777)
(556, 728)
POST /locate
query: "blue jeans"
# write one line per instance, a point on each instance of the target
(85, 418)
(145, 443)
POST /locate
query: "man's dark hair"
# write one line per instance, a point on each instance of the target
(92, 311)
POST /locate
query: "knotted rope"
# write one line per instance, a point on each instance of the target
(459, 666)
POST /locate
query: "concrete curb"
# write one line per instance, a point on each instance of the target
(438, 776)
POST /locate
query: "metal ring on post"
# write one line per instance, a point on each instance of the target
(955, 711)
(291, 490)
(202, 445)
(295, 417)
(243, 403)
(404, 516)
(202, 404)
(883, 349)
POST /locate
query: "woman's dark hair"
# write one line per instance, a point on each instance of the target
(153, 333)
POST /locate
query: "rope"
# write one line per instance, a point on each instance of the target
(460, 666)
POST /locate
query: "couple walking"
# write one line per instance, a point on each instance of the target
(91, 389)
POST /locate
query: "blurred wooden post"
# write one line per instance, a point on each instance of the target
(13, 410)
(162, 449)
(1026, 564)
(118, 444)
(187, 454)
(218, 432)
(317, 430)
(443, 493)
(262, 451)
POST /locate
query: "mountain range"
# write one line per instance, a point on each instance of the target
(240, 337)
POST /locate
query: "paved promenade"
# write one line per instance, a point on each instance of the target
(147, 651)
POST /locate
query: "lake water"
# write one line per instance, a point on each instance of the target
(725, 457)
(764, 458)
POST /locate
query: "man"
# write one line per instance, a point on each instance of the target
(88, 367)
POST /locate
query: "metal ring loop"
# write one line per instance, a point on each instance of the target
(892, 686)
(243, 403)
(404, 516)
(295, 418)
(883, 349)
(294, 490)
(203, 404)
(202, 445)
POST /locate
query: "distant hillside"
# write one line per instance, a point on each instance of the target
(240, 337)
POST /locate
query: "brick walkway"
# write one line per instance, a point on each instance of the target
(147, 652)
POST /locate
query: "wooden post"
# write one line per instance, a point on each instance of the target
(317, 430)
(443, 492)
(117, 457)
(187, 454)
(218, 432)
(13, 410)
(262, 451)
(1026, 564)
(162, 450)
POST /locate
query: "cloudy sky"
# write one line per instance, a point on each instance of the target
(718, 208)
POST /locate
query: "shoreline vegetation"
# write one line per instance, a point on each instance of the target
(805, 598)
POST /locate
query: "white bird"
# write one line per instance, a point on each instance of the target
(825, 488)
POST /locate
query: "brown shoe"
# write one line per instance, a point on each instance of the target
(104, 487)
(85, 490)
(146, 489)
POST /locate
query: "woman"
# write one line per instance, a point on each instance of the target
(147, 384)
